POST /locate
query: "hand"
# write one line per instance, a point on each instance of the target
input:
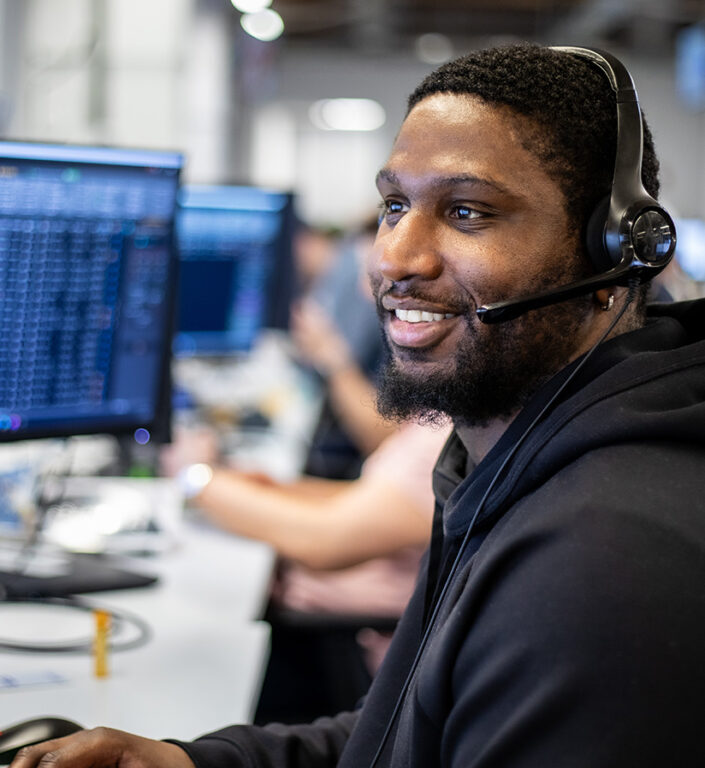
(190, 445)
(102, 748)
(318, 340)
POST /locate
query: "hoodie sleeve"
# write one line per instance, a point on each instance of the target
(317, 745)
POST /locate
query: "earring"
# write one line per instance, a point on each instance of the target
(608, 304)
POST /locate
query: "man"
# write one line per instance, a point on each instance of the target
(560, 618)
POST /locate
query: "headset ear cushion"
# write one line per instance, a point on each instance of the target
(595, 237)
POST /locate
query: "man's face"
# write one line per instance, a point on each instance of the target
(470, 217)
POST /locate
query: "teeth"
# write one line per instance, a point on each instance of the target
(417, 316)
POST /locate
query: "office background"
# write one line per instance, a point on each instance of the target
(182, 74)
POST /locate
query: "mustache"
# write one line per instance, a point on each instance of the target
(457, 305)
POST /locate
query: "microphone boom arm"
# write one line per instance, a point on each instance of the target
(622, 274)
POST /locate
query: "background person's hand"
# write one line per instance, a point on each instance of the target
(317, 339)
(102, 748)
(189, 445)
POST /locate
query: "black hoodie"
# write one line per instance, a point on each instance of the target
(572, 633)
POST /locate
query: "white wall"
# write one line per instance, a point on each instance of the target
(333, 172)
(679, 136)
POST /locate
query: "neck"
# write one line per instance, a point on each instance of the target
(479, 441)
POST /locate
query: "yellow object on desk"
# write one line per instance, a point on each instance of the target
(100, 643)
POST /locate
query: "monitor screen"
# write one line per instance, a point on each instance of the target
(87, 282)
(236, 268)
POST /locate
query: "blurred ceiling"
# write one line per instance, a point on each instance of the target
(376, 24)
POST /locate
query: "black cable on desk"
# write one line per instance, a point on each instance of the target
(118, 618)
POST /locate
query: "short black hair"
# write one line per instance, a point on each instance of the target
(569, 102)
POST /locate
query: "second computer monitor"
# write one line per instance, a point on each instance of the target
(236, 269)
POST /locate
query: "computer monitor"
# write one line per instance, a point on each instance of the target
(87, 289)
(236, 268)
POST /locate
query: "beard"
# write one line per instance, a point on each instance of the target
(495, 371)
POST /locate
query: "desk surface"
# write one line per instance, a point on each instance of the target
(208, 571)
(181, 684)
(202, 668)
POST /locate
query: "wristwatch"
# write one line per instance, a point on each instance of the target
(194, 478)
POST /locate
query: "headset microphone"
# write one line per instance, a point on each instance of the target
(500, 311)
(630, 237)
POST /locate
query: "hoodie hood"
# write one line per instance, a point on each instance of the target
(652, 378)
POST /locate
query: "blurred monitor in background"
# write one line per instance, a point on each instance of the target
(87, 282)
(237, 275)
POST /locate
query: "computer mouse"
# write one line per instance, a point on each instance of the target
(27, 732)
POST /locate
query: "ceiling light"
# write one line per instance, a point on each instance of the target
(265, 25)
(251, 6)
(433, 48)
(347, 114)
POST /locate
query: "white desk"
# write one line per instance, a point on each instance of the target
(210, 572)
(201, 670)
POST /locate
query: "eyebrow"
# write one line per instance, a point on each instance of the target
(386, 174)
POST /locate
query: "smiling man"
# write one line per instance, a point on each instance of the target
(559, 619)
(471, 214)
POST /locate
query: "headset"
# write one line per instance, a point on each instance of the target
(630, 237)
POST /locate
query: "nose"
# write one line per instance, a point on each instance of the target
(409, 249)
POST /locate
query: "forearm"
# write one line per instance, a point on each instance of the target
(296, 525)
(353, 398)
(309, 487)
(367, 518)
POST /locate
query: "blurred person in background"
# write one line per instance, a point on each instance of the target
(349, 556)
(349, 548)
(336, 331)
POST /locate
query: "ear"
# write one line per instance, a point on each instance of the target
(602, 297)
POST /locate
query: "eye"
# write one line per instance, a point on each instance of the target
(390, 210)
(465, 212)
